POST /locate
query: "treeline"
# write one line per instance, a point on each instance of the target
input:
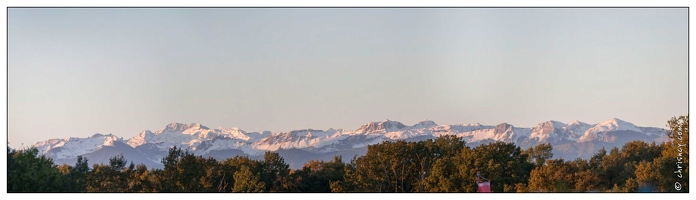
(444, 164)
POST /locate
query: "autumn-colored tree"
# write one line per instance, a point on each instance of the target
(246, 181)
(539, 153)
(673, 162)
(554, 176)
(108, 178)
(74, 178)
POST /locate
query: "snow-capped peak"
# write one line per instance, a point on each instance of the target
(577, 123)
(613, 124)
(551, 130)
(187, 136)
(182, 127)
(386, 126)
(233, 133)
(425, 124)
(202, 140)
(556, 124)
(73, 146)
(97, 135)
(550, 125)
(140, 138)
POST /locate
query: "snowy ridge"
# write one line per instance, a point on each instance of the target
(381, 127)
(187, 136)
(424, 124)
(306, 138)
(613, 124)
(72, 147)
(577, 129)
(554, 131)
(202, 140)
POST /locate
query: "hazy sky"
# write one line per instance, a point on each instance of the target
(76, 72)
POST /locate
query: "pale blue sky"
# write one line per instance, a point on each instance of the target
(76, 72)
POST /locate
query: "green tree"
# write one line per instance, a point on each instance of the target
(30, 172)
(79, 174)
(555, 176)
(585, 178)
(444, 176)
(230, 166)
(108, 178)
(540, 153)
(10, 166)
(673, 162)
(352, 179)
(275, 173)
(138, 180)
(631, 185)
(186, 172)
(317, 176)
(647, 175)
(502, 163)
(74, 178)
(246, 181)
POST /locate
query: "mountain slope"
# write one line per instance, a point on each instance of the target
(575, 139)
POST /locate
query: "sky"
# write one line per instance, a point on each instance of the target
(77, 72)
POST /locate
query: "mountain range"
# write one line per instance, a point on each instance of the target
(569, 141)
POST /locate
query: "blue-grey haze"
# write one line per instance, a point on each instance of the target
(76, 72)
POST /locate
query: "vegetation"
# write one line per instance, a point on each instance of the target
(444, 164)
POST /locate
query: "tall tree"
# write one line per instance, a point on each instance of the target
(555, 176)
(246, 181)
(502, 163)
(30, 172)
(317, 176)
(75, 177)
(673, 163)
(444, 176)
(540, 153)
(79, 174)
(108, 178)
(275, 172)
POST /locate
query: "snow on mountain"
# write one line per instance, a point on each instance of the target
(454, 129)
(578, 123)
(578, 128)
(307, 138)
(522, 133)
(555, 131)
(72, 147)
(424, 124)
(613, 124)
(223, 143)
(44, 146)
(141, 138)
(381, 127)
(409, 133)
(234, 133)
(547, 130)
(653, 131)
(254, 136)
(187, 136)
(202, 140)
(501, 132)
